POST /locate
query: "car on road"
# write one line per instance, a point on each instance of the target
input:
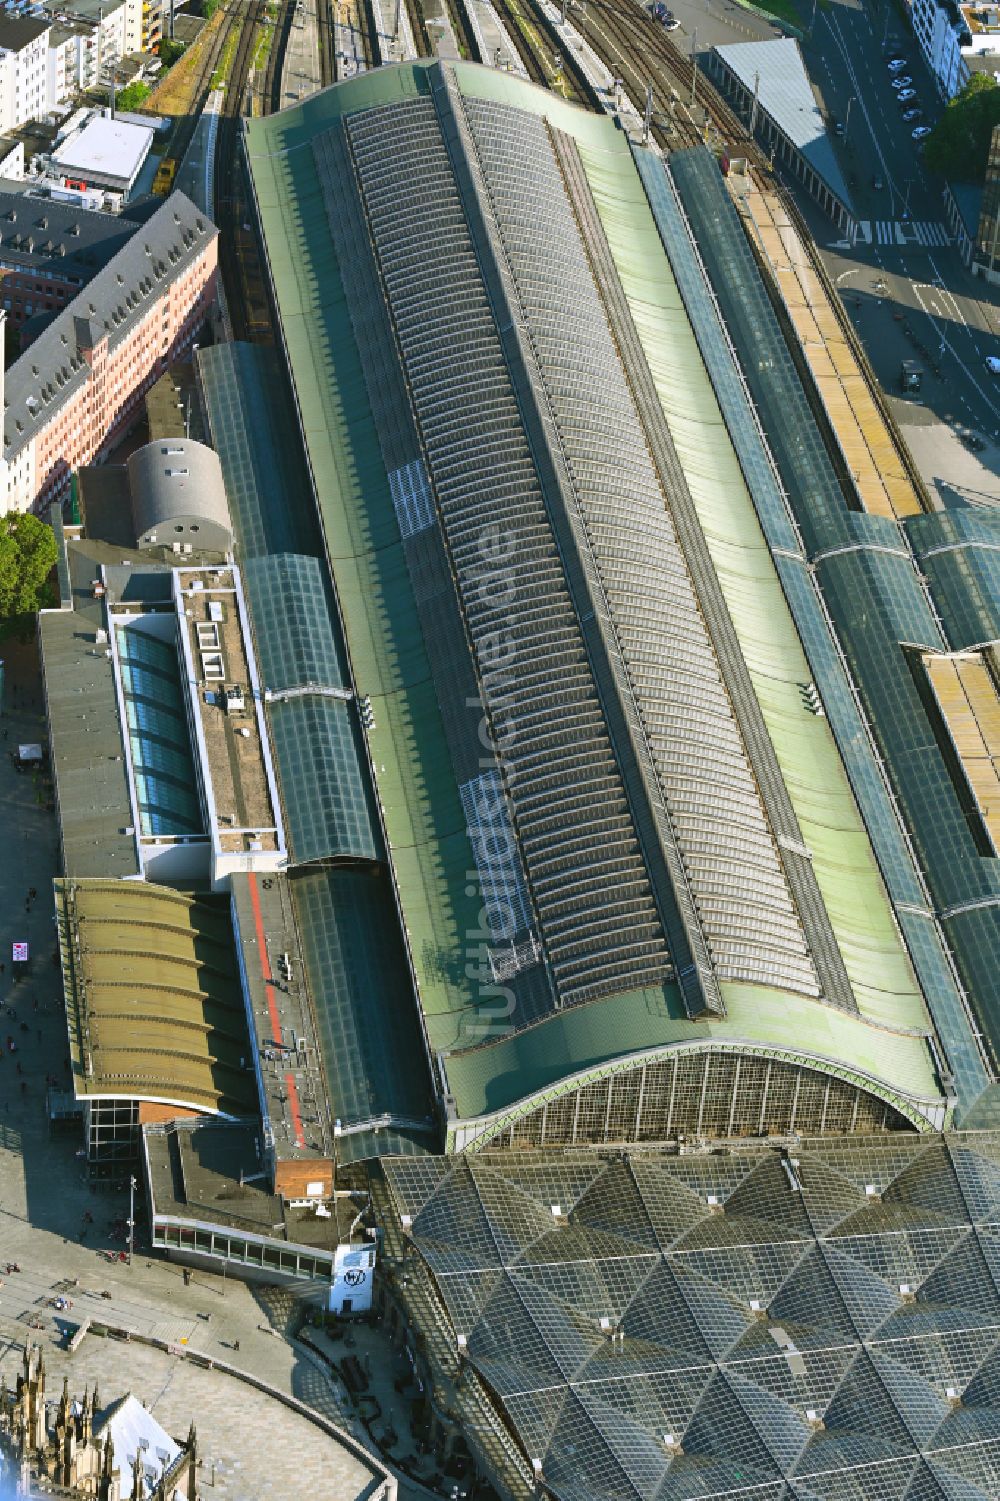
(993, 364)
(905, 94)
(913, 114)
(897, 65)
(902, 81)
(920, 132)
(670, 22)
(838, 128)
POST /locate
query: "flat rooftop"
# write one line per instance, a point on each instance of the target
(213, 1172)
(87, 754)
(230, 726)
(283, 1032)
(982, 20)
(112, 148)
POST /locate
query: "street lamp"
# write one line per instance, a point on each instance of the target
(847, 117)
(131, 1218)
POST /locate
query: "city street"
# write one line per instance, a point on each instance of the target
(903, 282)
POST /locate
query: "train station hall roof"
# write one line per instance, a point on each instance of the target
(816, 1323)
(490, 348)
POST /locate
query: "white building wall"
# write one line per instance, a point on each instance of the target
(940, 39)
(133, 25)
(353, 1275)
(30, 77)
(61, 73)
(8, 65)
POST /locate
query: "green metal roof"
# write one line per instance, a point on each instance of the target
(415, 785)
(842, 858)
(490, 1078)
(424, 820)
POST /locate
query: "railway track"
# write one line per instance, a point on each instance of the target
(418, 27)
(640, 53)
(230, 197)
(187, 122)
(537, 49)
(271, 94)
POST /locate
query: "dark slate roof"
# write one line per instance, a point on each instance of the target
(39, 232)
(116, 299)
(18, 32)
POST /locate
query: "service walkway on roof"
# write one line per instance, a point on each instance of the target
(966, 694)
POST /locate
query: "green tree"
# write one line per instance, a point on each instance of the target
(170, 51)
(27, 557)
(959, 144)
(134, 95)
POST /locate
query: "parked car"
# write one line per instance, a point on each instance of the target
(838, 128)
(920, 132)
(905, 94)
(670, 23)
(993, 364)
(913, 114)
(897, 65)
(902, 81)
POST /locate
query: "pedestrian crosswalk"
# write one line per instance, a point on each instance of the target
(903, 232)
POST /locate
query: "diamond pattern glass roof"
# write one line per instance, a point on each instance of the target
(816, 1324)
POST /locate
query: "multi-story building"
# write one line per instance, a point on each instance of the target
(151, 23)
(951, 35)
(72, 57)
(23, 70)
(92, 37)
(50, 250)
(78, 388)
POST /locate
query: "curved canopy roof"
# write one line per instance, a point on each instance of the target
(685, 849)
(153, 998)
(175, 480)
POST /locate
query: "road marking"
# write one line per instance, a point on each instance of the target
(905, 232)
(942, 335)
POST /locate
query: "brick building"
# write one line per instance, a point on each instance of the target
(78, 388)
(49, 251)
